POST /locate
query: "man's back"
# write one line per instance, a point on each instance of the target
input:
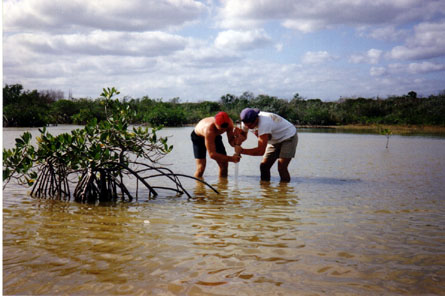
(206, 127)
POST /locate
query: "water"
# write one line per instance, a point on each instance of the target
(356, 219)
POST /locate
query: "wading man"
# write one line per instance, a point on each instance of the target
(207, 137)
(277, 139)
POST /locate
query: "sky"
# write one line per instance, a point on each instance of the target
(201, 50)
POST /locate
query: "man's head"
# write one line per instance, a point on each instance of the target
(249, 115)
(222, 119)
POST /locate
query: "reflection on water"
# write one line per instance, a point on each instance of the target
(356, 219)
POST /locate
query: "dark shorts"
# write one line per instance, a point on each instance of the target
(199, 147)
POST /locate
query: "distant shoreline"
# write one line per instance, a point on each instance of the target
(396, 129)
(371, 128)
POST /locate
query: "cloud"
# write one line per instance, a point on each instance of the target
(372, 56)
(411, 68)
(318, 57)
(428, 42)
(199, 54)
(115, 15)
(97, 43)
(304, 25)
(425, 67)
(279, 47)
(199, 49)
(386, 33)
(308, 16)
(377, 71)
(242, 40)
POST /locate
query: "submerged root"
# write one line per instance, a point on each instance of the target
(108, 183)
(52, 182)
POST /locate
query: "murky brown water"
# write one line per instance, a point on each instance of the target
(357, 219)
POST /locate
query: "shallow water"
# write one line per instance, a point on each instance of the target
(356, 219)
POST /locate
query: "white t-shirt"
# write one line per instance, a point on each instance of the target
(279, 128)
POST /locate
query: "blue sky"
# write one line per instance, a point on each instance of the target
(201, 50)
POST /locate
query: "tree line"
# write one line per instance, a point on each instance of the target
(40, 108)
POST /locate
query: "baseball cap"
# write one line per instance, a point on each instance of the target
(221, 118)
(249, 115)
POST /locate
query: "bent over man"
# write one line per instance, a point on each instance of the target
(277, 139)
(207, 137)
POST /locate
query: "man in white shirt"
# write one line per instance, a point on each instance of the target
(277, 139)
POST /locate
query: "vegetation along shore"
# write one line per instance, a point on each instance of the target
(400, 129)
(402, 114)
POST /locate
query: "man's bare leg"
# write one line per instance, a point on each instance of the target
(223, 168)
(265, 166)
(283, 163)
(200, 167)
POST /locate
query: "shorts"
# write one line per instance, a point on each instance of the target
(285, 149)
(199, 147)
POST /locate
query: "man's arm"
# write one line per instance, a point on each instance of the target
(240, 136)
(231, 137)
(257, 151)
(211, 148)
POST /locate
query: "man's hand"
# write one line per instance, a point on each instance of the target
(235, 158)
(240, 136)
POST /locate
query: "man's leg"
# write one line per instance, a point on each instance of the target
(283, 163)
(287, 152)
(199, 151)
(265, 166)
(200, 167)
(223, 168)
(269, 158)
(223, 165)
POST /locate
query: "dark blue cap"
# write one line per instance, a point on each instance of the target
(249, 115)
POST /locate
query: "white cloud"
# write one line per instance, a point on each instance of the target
(305, 26)
(115, 15)
(170, 48)
(233, 14)
(425, 67)
(308, 16)
(372, 56)
(428, 42)
(377, 71)
(279, 47)
(97, 43)
(242, 40)
(318, 57)
(202, 55)
(386, 33)
(411, 68)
